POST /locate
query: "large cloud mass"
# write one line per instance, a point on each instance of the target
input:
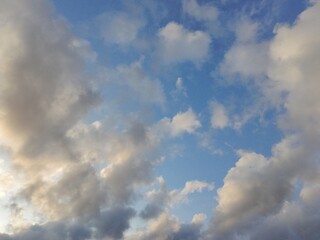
(79, 152)
(258, 199)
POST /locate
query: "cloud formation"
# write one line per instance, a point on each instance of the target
(80, 142)
(160, 200)
(258, 193)
(119, 28)
(219, 117)
(177, 44)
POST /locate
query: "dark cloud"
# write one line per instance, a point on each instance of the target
(151, 210)
(114, 222)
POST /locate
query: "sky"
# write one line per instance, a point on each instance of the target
(159, 120)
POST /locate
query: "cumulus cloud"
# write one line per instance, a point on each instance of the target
(44, 92)
(219, 116)
(258, 195)
(168, 227)
(177, 44)
(247, 57)
(66, 169)
(184, 122)
(113, 223)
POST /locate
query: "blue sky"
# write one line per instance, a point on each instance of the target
(146, 119)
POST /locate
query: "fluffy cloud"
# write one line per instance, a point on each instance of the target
(200, 12)
(258, 195)
(66, 170)
(219, 117)
(45, 92)
(247, 57)
(184, 122)
(43, 83)
(177, 44)
(168, 227)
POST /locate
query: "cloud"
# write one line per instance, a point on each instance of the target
(177, 44)
(110, 224)
(81, 190)
(184, 122)
(259, 193)
(114, 222)
(195, 186)
(67, 169)
(119, 28)
(247, 57)
(219, 116)
(159, 200)
(167, 227)
(43, 90)
(206, 13)
(51, 231)
(252, 189)
(134, 79)
(180, 88)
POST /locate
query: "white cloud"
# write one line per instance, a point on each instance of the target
(247, 57)
(219, 116)
(184, 122)
(200, 12)
(119, 28)
(177, 44)
(196, 186)
(199, 218)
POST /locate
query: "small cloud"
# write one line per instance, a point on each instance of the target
(199, 218)
(219, 116)
(184, 122)
(177, 44)
(196, 186)
(119, 28)
(180, 86)
(200, 12)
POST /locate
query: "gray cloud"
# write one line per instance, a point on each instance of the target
(114, 222)
(44, 90)
(45, 95)
(108, 223)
